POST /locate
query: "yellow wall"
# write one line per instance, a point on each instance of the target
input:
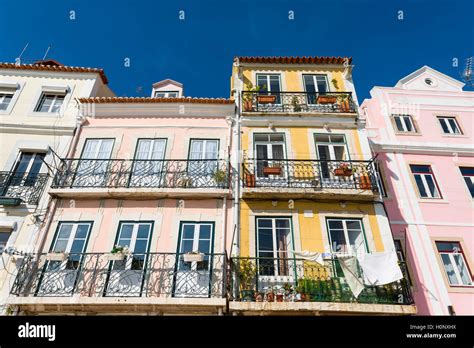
(310, 232)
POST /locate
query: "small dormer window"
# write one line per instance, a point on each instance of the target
(166, 94)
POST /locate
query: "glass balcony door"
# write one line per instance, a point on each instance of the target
(193, 278)
(60, 277)
(26, 169)
(274, 251)
(270, 154)
(269, 85)
(94, 164)
(315, 85)
(127, 275)
(332, 152)
(203, 162)
(149, 169)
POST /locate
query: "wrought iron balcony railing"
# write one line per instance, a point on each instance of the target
(298, 102)
(26, 187)
(311, 174)
(115, 275)
(293, 279)
(121, 173)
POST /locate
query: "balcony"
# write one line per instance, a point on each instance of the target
(288, 285)
(309, 179)
(17, 188)
(120, 178)
(298, 102)
(90, 281)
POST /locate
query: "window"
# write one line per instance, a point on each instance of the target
(346, 236)
(26, 170)
(136, 237)
(274, 242)
(401, 258)
(166, 94)
(4, 236)
(196, 237)
(71, 238)
(148, 163)
(330, 148)
(404, 123)
(92, 168)
(50, 102)
(270, 84)
(449, 125)
(313, 85)
(454, 263)
(203, 155)
(468, 175)
(269, 148)
(6, 96)
(425, 181)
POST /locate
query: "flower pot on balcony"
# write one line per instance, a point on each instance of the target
(57, 256)
(185, 182)
(364, 182)
(248, 105)
(344, 106)
(270, 297)
(259, 296)
(326, 99)
(279, 297)
(192, 257)
(266, 99)
(250, 180)
(272, 170)
(247, 295)
(115, 256)
(343, 171)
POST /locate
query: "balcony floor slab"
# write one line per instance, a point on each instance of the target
(301, 193)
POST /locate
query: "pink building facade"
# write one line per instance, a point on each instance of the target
(422, 131)
(146, 184)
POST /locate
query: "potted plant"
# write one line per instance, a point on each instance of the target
(259, 296)
(249, 179)
(326, 99)
(185, 181)
(220, 177)
(193, 256)
(364, 182)
(343, 170)
(248, 96)
(266, 99)
(296, 105)
(246, 275)
(270, 295)
(118, 253)
(335, 84)
(273, 170)
(343, 101)
(57, 256)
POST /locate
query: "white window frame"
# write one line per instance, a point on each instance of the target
(315, 81)
(167, 94)
(471, 178)
(425, 183)
(53, 103)
(16, 89)
(448, 125)
(403, 123)
(72, 235)
(55, 89)
(346, 235)
(133, 240)
(455, 267)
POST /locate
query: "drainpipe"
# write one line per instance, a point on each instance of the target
(80, 120)
(224, 203)
(236, 242)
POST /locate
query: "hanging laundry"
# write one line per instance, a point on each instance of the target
(310, 256)
(380, 268)
(349, 268)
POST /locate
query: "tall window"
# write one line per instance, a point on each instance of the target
(26, 170)
(4, 236)
(454, 263)
(404, 123)
(6, 96)
(468, 175)
(449, 125)
(196, 237)
(148, 163)
(425, 181)
(72, 238)
(330, 148)
(346, 235)
(274, 242)
(135, 236)
(380, 181)
(270, 84)
(50, 102)
(203, 155)
(401, 258)
(270, 150)
(92, 168)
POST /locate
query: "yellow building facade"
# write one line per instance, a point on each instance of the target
(309, 184)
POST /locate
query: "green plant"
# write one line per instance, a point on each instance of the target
(247, 273)
(119, 249)
(219, 176)
(334, 83)
(295, 104)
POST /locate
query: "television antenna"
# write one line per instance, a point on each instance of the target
(468, 72)
(47, 50)
(18, 60)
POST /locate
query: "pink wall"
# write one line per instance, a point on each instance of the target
(418, 223)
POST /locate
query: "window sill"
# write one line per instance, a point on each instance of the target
(433, 200)
(45, 114)
(408, 133)
(454, 136)
(461, 288)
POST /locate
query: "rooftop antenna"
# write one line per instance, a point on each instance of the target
(468, 73)
(18, 60)
(49, 47)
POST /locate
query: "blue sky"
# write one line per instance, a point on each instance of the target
(198, 51)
